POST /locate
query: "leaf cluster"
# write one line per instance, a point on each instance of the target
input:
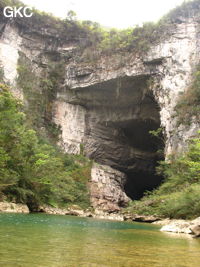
(178, 196)
(33, 171)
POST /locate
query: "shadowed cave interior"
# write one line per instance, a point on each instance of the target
(142, 177)
(119, 119)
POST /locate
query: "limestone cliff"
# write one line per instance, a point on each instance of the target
(107, 106)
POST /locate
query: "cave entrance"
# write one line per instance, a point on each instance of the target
(138, 183)
(120, 115)
(146, 150)
(141, 171)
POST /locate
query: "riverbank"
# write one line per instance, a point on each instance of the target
(13, 207)
(180, 226)
(73, 210)
(191, 227)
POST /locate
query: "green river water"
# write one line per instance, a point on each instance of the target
(40, 240)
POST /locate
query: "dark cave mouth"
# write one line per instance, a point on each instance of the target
(141, 173)
(143, 176)
(121, 132)
(139, 182)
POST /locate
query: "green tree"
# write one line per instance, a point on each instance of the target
(178, 196)
(71, 15)
(32, 171)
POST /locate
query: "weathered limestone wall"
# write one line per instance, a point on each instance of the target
(9, 48)
(71, 118)
(13, 208)
(106, 188)
(108, 106)
(178, 57)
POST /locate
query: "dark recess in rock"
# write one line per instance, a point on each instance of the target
(139, 182)
(120, 114)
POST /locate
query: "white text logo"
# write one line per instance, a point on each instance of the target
(13, 12)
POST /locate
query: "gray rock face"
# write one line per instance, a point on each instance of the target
(195, 227)
(181, 226)
(10, 207)
(106, 188)
(108, 106)
(196, 230)
(177, 226)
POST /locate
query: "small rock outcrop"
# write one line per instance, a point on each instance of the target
(181, 226)
(177, 226)
(196, 230)
(141, 218)
(106, 186)
(77, 211)
(13, 207)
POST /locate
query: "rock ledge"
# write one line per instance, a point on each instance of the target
(181, 226)
(13, 207)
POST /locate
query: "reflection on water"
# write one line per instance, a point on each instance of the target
(40, 240)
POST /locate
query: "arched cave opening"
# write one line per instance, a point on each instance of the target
(145, 149)
(141, 172)
(139, 182)
(118, 122)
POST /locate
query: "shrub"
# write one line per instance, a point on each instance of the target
(32, 171)
(178, 196)
(39, 93)
(183, 204)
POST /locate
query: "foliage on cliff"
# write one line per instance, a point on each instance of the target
(188, 107)
(178, 196)
(188, 9)
(86, 33)
(33, 171)
(4, 3)
(39, 91)
(91, 35)
(138, 38)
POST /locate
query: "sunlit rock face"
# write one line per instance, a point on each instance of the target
(119, 115)
(123, 104)
(179, 55)
(107, 107)
(72, 119)
(106, 188)
(9, 47)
